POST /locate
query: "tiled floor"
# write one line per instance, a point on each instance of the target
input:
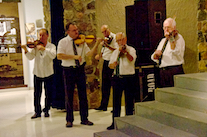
(16, 109)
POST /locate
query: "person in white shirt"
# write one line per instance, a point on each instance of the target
(73, 62)
(123, 62)
(43, 71)
(169, 54)
(107, 48)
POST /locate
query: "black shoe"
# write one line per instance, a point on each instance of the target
(69, 124)
(112, 111)
(104, 109)
(47, 114)
(36, 116)
(87, 122)
(44, 110)
(110, 127)
(101, 108)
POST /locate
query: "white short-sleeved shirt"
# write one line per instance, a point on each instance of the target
(171, 57)
(126, 67)
(43, 64)
(65, 46)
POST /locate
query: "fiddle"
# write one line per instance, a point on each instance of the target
(82, 38)
(34, 44)
(108, 40)
(172, 35)
(171, 38)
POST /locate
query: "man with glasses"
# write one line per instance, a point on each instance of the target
(169, 54)
(123, 62)
(73, 58)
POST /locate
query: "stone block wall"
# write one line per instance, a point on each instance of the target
(202, 35)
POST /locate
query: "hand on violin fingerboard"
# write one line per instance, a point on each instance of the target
(25, 48)
(122, 49)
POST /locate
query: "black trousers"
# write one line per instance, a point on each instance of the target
(167, 73)
(71, 77)
(126, 83)
(106, 84)
(48, 86)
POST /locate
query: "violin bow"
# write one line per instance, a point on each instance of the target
(27, 29)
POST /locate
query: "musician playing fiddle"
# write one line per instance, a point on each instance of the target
(122, 61)
(169, 54)
(73, 58)
(43, 52)
(108, 44)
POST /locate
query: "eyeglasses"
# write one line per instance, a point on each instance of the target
(73, 30)
(167, 27)
(104, 31)
(119, 40)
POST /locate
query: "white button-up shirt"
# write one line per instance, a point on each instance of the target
(43, 64)
(126, 67)
(171, 57)
(65, 46)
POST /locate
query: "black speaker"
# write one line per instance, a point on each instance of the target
(144, 30)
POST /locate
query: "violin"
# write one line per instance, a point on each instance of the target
(107, 41)
(34, 44)
(171, 38)
(82, 38)
(172, 35)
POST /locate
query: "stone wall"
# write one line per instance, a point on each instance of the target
(202, 34)
(47, 16)
(83, 14)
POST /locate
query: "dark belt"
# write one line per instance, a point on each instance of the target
(76, 67)
(170, 67)
(123, 76)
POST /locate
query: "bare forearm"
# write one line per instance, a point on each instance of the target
(65, 56)
(93, 50)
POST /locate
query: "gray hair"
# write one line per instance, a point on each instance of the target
(122, 34)
(172, 21)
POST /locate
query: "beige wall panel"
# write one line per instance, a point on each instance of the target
(112, 13)
(186, 19)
